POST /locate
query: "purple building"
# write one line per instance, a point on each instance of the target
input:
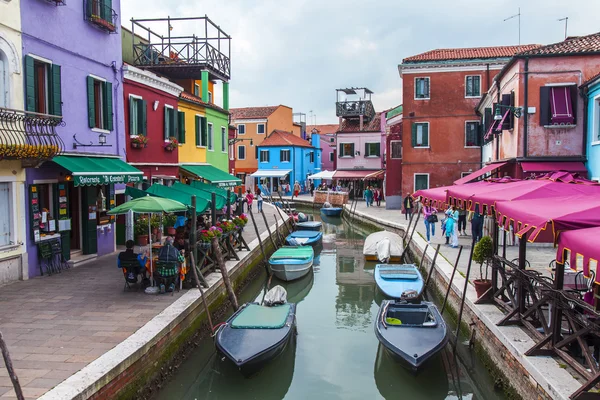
(72, 61)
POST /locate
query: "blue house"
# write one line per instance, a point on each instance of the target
(284, 159)
(592, 93)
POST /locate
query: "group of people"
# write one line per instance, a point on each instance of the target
(453, 224)
(371, 195)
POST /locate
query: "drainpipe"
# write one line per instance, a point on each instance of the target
(498, 101)
(525, 107)
(487, 77)
(584, 93)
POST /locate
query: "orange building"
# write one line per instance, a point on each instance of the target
(252, 125)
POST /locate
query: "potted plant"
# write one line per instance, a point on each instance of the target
(155, 225)
(169, 224)
(139, 142)
(171, 144)
(140, 230)
(483, 253)
(207, 235)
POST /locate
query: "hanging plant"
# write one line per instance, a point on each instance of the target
(171, 144)
(139, 142)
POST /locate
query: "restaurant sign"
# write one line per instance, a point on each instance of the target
(106, 179)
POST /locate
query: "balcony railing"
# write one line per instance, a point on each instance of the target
(182, 56)
(354, 109)
(101, 15)
(29, 136)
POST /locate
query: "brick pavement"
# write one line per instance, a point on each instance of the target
(56, 325)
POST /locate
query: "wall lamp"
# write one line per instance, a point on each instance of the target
(234, 141)
(498, 113)
(101, 142)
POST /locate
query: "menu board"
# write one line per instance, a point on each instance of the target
(35, 212)
(63, 201)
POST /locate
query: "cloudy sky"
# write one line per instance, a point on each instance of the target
(297, 52)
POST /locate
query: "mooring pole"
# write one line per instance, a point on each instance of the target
(240, 209)
(213, 208)
(277, 233)
(193, 234)
(221, 263)
(269, 230)
(409, 224)
(9, 367)
(228, 203)
(262, 249)
(464, 296)
(437, 251)
(193, 262)
(290, 210)
(451, 279)
(411, 235)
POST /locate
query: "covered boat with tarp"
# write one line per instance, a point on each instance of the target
(383, 246)
(291, 262)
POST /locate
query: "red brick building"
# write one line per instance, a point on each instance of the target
(441, 89)
(393, 158)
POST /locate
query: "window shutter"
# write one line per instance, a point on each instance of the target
(29, 84)
(55, 92)
(107, 7)
(143, 124)
(166, 124)
(414, 135)
(181, 131)
(487, 118)
(197, 130)
(91, 102)
(544, 105)
(204, 132)
(426, 135)
(341, 152)
(426, 85)
(132, 105)
(506, 99)
(479, 133)
(89, 8)
(477, 85)
(366, 149)
(511, 120)
(574, 96)
(108, 106)
(378, 147)
(352, 151)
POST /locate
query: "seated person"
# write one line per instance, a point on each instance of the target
(181, 243)
(129, 255)
(168, 253)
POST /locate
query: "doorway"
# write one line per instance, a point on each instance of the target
(75, 212)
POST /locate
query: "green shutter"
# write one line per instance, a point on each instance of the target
(55, 91)
(91, 103)
(29, 84)
(107, 7)
(89, 7)
(426, 135)
(414, 135)
(143, 122)
(132, 105)
(198, 130)
(108, 106)
(166, 124)
(204, 132)
(173, 122)
(181, 120)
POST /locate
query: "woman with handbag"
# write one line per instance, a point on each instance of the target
(430, 216)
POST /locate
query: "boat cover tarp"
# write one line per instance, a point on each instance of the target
(261, 317)
(383, 250)
(294, 252)
(277, 295)
(370, 246)
(405, 272)
(305, 234)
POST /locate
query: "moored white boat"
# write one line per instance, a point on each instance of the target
(289, 263)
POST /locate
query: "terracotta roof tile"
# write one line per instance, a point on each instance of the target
(283, 138)
(469, 53)
(592, 79)
(195, 99)
(354, 125)
(252, 112)
(572, 45)
(323, 129)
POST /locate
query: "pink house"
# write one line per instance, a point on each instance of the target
(328, 147)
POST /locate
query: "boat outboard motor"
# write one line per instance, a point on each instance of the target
(276, 296)
(409, 294)
(302, 217)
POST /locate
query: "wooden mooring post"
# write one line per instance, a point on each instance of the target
(262, 248)
(9, 367)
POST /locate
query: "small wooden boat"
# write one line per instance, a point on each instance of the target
(304, 238)
(292, 262)
(256, 334)
(309, 226)
(399, 281)
(383, 246)
(412, 333)
(332, 211)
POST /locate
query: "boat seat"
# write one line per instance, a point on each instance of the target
(398, 272)
(254, 316)
(417, 317)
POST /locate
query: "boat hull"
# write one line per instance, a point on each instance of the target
(309, 226)
(298, 238)
(332, 212)
(289, 270)
(411, 344)
(395, 288)
(251, 349)
(373, 257)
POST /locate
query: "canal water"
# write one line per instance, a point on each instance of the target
(336, 354)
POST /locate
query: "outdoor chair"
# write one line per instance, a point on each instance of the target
(167, 273)
(132, 272)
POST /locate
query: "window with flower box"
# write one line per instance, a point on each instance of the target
(101, 14)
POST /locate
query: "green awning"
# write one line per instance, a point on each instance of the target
(135, 193)
(211, 174)
(220, 201)
(210, 188)
(170, 193)
(89, 171)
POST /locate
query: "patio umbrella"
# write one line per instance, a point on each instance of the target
(149, 205)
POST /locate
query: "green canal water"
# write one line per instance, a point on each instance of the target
(336, 354)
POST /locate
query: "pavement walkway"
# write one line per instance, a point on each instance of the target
(56, 325)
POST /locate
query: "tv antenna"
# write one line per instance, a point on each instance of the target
(517, 15)
(566, 19)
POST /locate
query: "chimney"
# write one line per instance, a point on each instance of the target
(361, 122)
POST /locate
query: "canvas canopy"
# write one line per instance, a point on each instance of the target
(170, 193)
(211, 174)
(90, 171)
(582, 244)
(326, 175)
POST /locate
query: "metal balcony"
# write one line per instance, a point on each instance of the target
(354, 109)
(181, 56)
(29, 136)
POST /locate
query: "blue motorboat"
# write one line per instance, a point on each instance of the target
(399, 281)
(289, 263)
(304, 238)
(332, 211)
(309, 226)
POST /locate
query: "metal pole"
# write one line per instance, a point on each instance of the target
(213, 208)
(451, 279)
(522, 261)
(464, 296)
(262, 249)
(412, 215)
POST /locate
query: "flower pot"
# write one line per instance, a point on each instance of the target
(171, 231)
(142, 240)
(204, 245)
(482, 286)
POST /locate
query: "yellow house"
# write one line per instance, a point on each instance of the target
(191, 150)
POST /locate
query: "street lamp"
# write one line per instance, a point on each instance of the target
(234, 141)
(498, 113)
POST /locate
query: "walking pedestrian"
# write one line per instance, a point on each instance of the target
(462, 222)
(377, 196)
(430, 218)
(408, 206)
(259, 200)
(454, 233)
(312, 188)
(448, 224)
(296, 189)
(249, 199)
(368, 195)
(476, 224)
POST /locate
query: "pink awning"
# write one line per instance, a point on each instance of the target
(477, 174)
(561, 106)
(352, 174)
(548, 166)
(582, 244)
(435, 196)
(556, 214)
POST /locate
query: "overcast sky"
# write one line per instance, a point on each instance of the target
(297, 52)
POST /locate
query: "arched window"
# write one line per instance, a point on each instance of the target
(3, 80)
